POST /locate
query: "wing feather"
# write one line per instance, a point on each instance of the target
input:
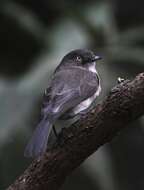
(68, 88)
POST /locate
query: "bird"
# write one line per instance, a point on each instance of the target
(73, 88)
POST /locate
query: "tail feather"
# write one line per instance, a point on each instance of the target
(38, 143)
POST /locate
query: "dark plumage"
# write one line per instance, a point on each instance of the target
(73, 87)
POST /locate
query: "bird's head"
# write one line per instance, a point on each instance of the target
(79, 57)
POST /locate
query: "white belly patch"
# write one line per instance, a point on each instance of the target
(86, 103)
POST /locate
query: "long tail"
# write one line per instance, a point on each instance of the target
(38, 143)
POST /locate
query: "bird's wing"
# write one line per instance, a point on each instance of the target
(68, 88)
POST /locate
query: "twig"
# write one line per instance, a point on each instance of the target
(124, 104)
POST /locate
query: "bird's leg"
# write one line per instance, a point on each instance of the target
(58, 139)
(55, 132)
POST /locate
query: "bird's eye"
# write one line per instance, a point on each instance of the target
(79, 59)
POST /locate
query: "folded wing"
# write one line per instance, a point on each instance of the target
(67, 89)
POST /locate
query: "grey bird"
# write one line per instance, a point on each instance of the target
(75, 84)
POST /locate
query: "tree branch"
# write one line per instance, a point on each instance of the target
(124, 104)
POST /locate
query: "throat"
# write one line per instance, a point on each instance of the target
(92, 67)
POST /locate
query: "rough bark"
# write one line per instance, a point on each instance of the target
(124, 104)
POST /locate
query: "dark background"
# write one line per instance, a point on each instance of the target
(34, 36)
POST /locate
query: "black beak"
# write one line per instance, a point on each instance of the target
(97, 58)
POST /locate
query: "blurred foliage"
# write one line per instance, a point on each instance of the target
(34, 36)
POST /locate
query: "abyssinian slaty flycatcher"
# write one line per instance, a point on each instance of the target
(75, 84)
